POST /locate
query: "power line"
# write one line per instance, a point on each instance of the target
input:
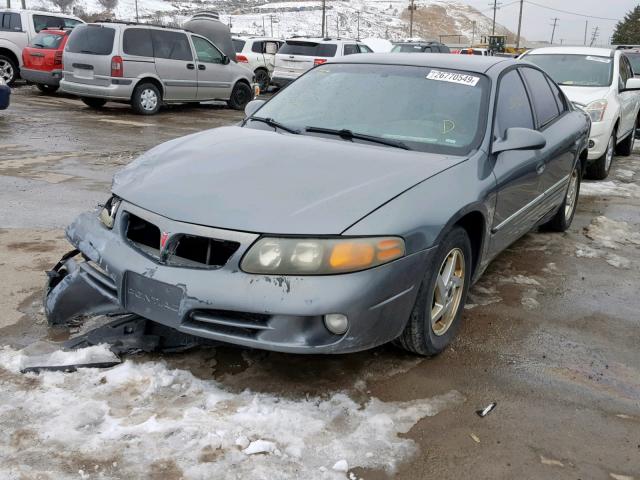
(571, 13)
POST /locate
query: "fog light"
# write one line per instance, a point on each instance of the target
(336, 323)
(591, 143)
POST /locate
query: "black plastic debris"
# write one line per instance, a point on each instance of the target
(486, 410)
(67, 368)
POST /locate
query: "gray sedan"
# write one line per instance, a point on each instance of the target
(354, 208)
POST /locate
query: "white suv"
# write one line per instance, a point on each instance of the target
(17, 29)
(298, 55)
(258, 54)
(600, 82)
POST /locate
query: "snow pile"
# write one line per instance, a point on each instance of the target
(610, 188)
(144, 420)
(608, 234)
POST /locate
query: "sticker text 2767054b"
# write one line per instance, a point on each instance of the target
(459, 78)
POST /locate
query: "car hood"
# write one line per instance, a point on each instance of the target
(585, 95)
(262, 181)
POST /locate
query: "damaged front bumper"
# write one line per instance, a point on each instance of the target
(110, 274)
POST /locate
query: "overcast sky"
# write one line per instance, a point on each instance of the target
(536, 21)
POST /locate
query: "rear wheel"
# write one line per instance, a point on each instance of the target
(262, 79)
(436, 314)
(146, 99)
(625, 147)
(599, 169)
(564, 216)
(8, 69)
(47, 88)
(93, 102)
(240, 96)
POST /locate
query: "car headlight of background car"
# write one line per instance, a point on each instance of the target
(109, 210)
(596, 110)
(320, 256)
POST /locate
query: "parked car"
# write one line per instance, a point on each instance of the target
(42, 59)
(147, 66)
(420, 47)
(298, 55)
(599, 81)
(17, 29)
(259, 54)
(336, 217)
(5, 94)
(483, 52)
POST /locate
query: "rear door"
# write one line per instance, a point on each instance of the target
(214, 77)
(175, 64)
(87, 56)
(41, 52)
(297, 56)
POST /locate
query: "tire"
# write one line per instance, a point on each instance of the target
(599, 169)
(421, 335)
(47, 88)
(240, 96)
(146, 99)
(93, 102)
(564, 216)
(8, 69)
(262, 79)
(625, 147)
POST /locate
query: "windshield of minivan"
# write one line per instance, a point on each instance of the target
(575, 70)
(309, 49)
(427, 109)
(91, 40)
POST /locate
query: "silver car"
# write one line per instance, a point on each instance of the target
(148, 66)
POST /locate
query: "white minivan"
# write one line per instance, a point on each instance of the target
(600, 81)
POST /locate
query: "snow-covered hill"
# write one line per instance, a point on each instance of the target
(347, 18)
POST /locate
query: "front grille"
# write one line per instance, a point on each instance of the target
(180, 249)
(238, 324)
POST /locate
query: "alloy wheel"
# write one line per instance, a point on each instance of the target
(572, 195)
(6, 71)
(447, 293)
(148, 99)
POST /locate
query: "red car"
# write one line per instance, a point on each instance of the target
(42, 59)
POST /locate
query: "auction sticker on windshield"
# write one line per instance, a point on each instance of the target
(459, 78)
(599, 59)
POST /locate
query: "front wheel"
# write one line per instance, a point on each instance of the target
(262, 79)
(146, 99)
(599, 169)
(240, 96)
(435, 317)
(564, 216)
(94, 102)
(47, 88)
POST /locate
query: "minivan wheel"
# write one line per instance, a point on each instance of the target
(240, 96)
(436, 314)
(47, 88)
(93, 102)
(599, 169)
(262, 79)
(146, 99)
(564, 216)
(8, 70)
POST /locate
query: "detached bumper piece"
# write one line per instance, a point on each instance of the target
(78, 288)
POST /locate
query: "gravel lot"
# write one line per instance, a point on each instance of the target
(551, 333)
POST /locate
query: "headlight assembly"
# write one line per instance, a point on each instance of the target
(320, 256)
(109, 210)
(596, 110)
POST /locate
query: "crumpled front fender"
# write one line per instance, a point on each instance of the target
(76, 288)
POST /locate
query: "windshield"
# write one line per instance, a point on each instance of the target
(575, 70)
(46, 40)
(309, 49)
(634, 58)
(426, 109)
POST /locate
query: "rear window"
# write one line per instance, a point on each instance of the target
(91, 40)
(408, 48)
(137, 41)
(309, 49)
(40, 22)
(238, 45)
(49, 41)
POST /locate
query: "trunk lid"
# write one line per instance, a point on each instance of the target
(87, 56)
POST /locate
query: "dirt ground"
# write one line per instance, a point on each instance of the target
(551, 332)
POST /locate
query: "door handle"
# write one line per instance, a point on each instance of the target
(190, 66)
(202, 67)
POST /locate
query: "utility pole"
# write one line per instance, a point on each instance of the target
(358, 35)
(137, 17)
(338, 25)
(412, 7)
(271, 18)
(553, 32)
(586, 26)
(324, 17)
(594, 36)
(264, 30)
(493, 25)
(473, 33)
(519, 25)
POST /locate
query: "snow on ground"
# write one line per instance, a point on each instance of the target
(610, 188)
(607, 234)
(143, 417)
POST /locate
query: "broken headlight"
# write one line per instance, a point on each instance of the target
(109, 210)
(320, 256)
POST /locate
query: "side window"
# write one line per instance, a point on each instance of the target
(350, 49)
(557, 94)
(365, 49)
(10, 22)
(171, 45)
(137, 41)
(427, 50)
(206, 51)
(512, 107)
(626, 72)
(257, 47)
(41, 22)
(543, 99)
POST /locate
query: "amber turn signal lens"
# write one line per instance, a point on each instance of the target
(390, 249)
(347, 256)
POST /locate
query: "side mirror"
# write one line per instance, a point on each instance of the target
(225, 60)
(633, 84)
(252, 107)
(519, 139)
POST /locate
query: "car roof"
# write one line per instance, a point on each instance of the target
(596, 52)
(321, 39)
(124, 24)
(470, 63)
(254, 37)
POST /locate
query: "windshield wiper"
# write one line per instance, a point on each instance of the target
(347, 134)
(39, 45)
(275, 124)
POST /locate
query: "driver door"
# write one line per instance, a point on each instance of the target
(214, 75)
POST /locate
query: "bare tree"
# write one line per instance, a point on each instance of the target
(63, 4)
(108, 4)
